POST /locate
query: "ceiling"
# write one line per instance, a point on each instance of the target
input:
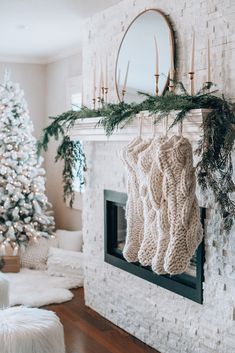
(41, 31)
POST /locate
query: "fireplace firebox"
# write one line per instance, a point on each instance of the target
(188, 284)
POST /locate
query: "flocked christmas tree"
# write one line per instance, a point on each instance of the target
(24, 214)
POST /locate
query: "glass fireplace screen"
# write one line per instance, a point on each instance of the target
(188, 284)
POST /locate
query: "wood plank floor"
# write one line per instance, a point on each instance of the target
(88, 332)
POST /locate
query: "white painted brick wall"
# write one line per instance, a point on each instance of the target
(214, 18)
(164, 320)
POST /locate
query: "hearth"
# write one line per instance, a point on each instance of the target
(188, 284)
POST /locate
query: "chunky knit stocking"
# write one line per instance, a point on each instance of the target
(149, 243)
(129, 205)
(134, 208)
(181, 230)
(189, 233)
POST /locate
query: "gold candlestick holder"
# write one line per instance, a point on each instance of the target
(99, 101)
(102, 96)
(106, 94)
(171, 87)
(206, 87)
(191, 77)
(123, 94)
(94, 101)
(156, 83)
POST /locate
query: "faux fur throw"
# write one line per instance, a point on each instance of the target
(4, 292)
(37, 288)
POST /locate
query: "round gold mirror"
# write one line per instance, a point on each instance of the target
(145, 57)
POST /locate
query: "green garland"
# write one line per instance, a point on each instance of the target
(74, 166)
(214, 170)
(69, 151)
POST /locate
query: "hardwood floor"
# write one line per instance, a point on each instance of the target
(88, 332)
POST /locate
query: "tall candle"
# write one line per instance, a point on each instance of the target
(99, 91)
(100, 82)
(101, 75)
(106, 72)
(94, 81)
(156, 56)
(193, 53)
(82, 94)
(126, 76)
(208, 62)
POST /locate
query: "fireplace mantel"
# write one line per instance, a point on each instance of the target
(88, 129)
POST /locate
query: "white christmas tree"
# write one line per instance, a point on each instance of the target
(24, 214)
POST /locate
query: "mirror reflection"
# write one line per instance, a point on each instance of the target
(145, 56)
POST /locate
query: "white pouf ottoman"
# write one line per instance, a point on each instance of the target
(30, 330)
(4, 292)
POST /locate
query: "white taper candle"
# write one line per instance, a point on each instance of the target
(156, 57)
(193, 53)
(208, 62)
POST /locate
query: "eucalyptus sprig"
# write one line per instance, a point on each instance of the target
(214, 169)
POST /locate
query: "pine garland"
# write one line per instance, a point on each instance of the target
(214, 170)
(71, 152)
(74, 166)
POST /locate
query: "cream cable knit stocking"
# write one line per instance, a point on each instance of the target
(149, 243)
(129, 205)
(134, 209)
(162, 224)
(188, 233)
(180, 222)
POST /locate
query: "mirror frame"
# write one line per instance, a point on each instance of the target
(172, 46)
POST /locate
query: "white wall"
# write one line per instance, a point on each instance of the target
(32, 80)
(45, 89)
(210, 18)
(58, 74)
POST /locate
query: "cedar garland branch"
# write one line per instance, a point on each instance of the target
(214, 169)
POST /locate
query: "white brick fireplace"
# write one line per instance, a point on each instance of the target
(162, 319)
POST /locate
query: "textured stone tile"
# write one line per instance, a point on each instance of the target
(160, 318)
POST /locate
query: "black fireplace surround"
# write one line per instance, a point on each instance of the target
(188, 284)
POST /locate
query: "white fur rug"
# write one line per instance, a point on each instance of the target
(36, 288)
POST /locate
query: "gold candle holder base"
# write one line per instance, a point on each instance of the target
(207, 85)
(106, 94)
(99, 101)
(94, 101)
(123, 94)
(102, 95)
(191, 77)
(156, 84)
